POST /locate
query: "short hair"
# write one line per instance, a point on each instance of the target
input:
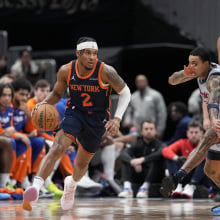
(195, 124)
(147, 121)
(21, 83)
(42, 83)
(3, 86)
(85, 39)
(4, 77)
(25, 50)
(202, 53)
(180, 107)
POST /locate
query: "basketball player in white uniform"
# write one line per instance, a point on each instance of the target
(208, 77)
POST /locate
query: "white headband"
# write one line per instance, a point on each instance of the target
(87, 45)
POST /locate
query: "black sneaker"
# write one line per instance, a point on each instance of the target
(168, 185)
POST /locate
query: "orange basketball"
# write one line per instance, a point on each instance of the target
(46, 117)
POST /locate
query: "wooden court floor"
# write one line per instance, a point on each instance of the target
(112, 208)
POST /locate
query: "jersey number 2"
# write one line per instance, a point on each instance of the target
(86, 101)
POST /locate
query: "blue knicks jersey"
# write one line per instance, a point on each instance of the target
(19, 119)
(6, 117)
(88, 93)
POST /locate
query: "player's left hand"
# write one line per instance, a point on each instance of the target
(112, 126)
(189, 71)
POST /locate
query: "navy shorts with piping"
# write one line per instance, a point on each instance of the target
(88, 128)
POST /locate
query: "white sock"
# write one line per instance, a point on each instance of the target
(38, 182)
(4, 179)
(127, 184)
(145, 185)
(71, 182)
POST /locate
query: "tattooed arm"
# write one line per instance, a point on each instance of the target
(182, 75)
(198, 154)
(212, 136)
(111, 77)
(213, 86)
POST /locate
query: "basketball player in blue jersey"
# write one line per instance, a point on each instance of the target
(208, 78)
(90, 82)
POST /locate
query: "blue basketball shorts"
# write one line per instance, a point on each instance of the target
(87, 128)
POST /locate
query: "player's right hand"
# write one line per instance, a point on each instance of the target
(36, 107)
(112, 126)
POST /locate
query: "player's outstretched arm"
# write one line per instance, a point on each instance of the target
(182, 76)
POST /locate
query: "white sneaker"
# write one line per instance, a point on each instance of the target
(142, 193)
(177, 193)
(126, 193)
(188, 191)
(30, 195)
(67, 199)
(87, 183)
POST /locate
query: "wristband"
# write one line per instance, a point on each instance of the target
(213, 105)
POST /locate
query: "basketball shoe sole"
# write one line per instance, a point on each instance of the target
(30, 195)
(167, 186)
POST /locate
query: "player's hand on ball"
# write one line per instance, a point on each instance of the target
(112, 126)
(36, 107)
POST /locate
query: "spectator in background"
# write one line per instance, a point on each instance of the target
(26, 67)
(179, 115)
(146, 104)
(142, 162)
(21, 113)
(176, 155)
(21, 154)
(6, 79)
(3, 65)
(195, 105)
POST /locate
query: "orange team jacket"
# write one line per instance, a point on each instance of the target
(30, 126)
